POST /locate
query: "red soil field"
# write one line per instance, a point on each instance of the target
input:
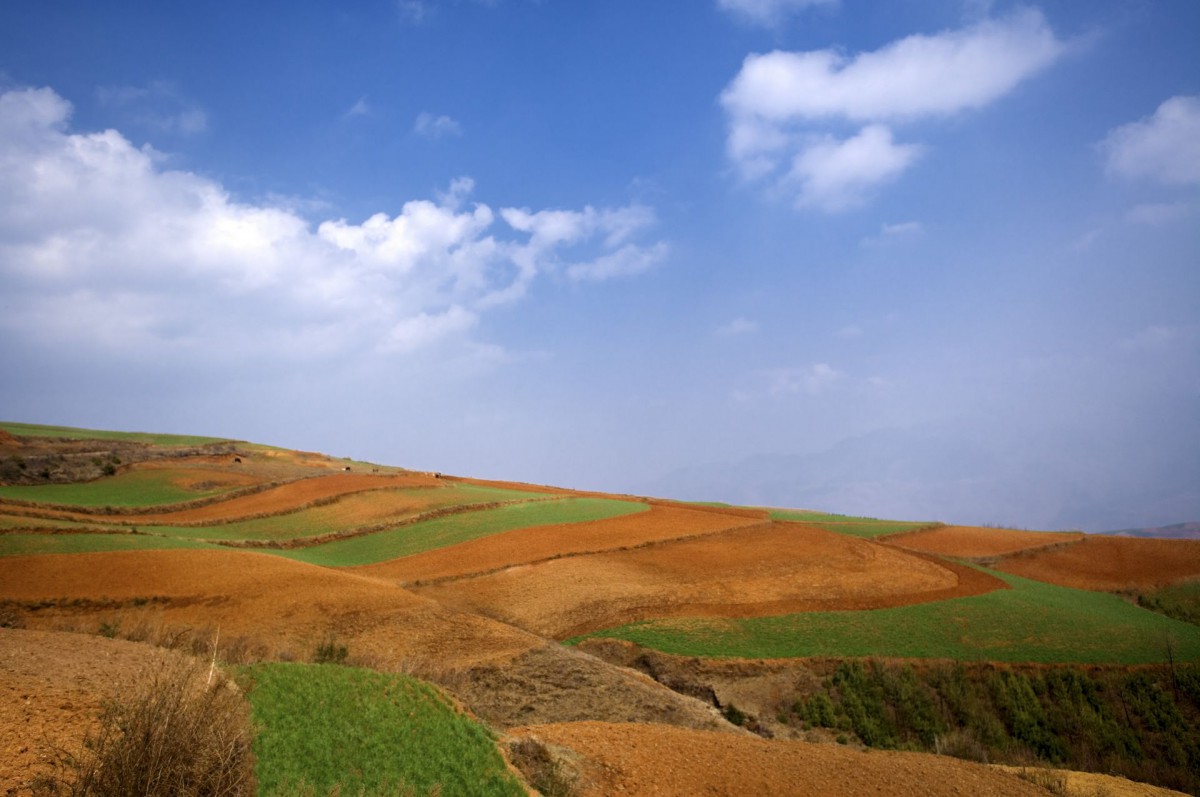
(52, 686)
(1111, 563)
(977, 542)
(287, 607)
(761, 570)
(663, 521)
(669, 761)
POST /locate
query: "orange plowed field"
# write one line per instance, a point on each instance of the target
(748, 572)
(660, 522)
(977, 542)
(287, 606)
(1111, 563)
(52, 687)
(669, 761)
(279, 499)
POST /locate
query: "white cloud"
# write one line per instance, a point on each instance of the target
(767, 12)
(835, 175)
(103, 247)
(780, 102)
(1163, 147)
(916, 76)
(549, 229)
(736, 327)
(432, 126)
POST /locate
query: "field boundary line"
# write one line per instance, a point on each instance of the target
(432, 582)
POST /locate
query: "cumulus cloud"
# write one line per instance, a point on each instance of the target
(767, 12)
(1164, 146)
(835, 175)
(102, 246)
(433, 126)
(781, 104)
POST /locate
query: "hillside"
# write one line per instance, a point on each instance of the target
(610, 642)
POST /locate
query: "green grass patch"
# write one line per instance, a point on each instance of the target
(72, 433)
(1180, 601)
(1032, 622)
(325, 727)
(134, 488)
(30, 544)
(455, 529)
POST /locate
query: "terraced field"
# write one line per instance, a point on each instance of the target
(264, 555)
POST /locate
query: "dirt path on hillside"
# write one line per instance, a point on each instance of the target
(645, 759)
(539, 543)
(1111, 563)
(745, 572)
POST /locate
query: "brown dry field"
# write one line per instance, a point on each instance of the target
(663, 521)
(1111, 563)
(977, 542)
(287, 606)
(669, 761)
(760, 570)
(52, 686)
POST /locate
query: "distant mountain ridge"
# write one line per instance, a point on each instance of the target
(1176, 531)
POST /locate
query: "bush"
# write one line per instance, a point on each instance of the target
(330, 652)
(179, 733)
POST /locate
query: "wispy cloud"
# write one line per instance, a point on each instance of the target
(360, 108)
(434, 126)
(768, 13)
(157, 105)
(775, 383)
(1164, 147)
(895, 232)
(737, 327)
(783, 105)
(102, 247)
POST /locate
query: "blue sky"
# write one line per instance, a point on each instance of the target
(936, 259)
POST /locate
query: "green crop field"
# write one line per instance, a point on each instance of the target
(1031, 622)
(324, 727)
(133, 489)
(71, 433)
(30, 544)
(846, 524)
(356, 510)
(442, 532)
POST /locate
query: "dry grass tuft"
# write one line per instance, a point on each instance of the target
(183, 731)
